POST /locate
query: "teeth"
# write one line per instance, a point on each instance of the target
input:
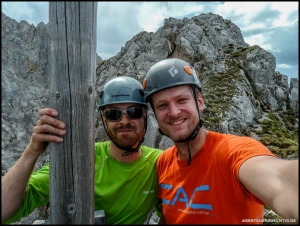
(176, 123)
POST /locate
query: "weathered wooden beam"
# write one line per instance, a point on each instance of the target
(72, 93)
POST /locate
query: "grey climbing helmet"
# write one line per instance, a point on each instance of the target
(122, 89)
(168, 73)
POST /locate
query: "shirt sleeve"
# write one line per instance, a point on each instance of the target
(37, 194)
(232, 154)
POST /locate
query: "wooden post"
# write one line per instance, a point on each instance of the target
(72, 93)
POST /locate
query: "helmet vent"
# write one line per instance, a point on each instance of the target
(188, 70)
(141, 92)
(144, 83)
(101, 94)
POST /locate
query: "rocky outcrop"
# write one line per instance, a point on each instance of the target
(294, 96)
(238, 79)
(25, 78)
(241, 89)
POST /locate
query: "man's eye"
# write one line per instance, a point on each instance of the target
(183, 100)
(161, 106)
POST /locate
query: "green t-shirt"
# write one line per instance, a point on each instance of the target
(125, 191)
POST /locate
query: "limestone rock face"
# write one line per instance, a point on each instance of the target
(294, 96)
(239, 83)
(25, 79)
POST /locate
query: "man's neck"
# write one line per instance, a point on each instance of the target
(195, 145)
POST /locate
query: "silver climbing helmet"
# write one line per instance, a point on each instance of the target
(122, 89)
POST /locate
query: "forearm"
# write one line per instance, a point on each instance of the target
(275, 182)
(286, 203)
(14, 184)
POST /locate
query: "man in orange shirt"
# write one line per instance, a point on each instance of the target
(208, 177)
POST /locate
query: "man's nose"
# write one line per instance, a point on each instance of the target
(173, 110)
(124, 118)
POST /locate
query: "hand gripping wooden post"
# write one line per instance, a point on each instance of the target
(72, 29)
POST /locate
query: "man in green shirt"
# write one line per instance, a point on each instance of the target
(125, 172)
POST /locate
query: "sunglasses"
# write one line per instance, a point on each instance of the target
(115, 114)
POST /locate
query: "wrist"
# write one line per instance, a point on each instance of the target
(31, 153)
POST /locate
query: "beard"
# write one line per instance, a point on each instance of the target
(126, 140)
(177, 136)
(180, 137)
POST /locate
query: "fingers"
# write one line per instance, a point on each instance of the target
(42, 137)
(47, 117)
(48, 111)
(48, 133)
(48, 128)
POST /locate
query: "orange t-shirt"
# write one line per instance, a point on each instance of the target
(208, 191)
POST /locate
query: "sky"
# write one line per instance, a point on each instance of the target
(271, 25)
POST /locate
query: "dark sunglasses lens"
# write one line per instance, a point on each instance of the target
(113, 114)
(135, 112)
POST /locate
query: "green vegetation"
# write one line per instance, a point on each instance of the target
(279, 134)
(218, 91)
(271, 219)
(277, 130)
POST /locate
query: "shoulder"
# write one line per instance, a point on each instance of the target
(232, 146)
(231, 139)
(102, 149)
(101, 153)
(43, 170)
(100, 146)
(151, 151)
(217, 136)
(169, 153)
(242, 141)
(167, 159)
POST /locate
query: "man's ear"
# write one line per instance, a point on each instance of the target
(145, 120)
(200, 101)
(146, 114)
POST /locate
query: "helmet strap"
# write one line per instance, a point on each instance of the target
(190, 158)
(129, 151)
(196, 130)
